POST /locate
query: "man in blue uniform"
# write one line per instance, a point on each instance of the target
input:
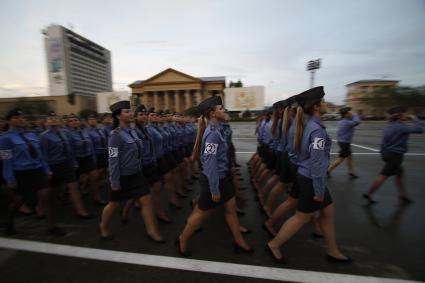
(393, 148)
(345, 134)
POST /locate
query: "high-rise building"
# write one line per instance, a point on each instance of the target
(76, 66)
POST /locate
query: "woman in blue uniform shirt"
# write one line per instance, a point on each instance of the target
(393, 148)
(125, 172)
(25, 171)
(215, 183)
(58, 153)
(82, 146)
(312, 145)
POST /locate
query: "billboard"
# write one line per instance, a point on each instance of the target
(244, 98)
(106, 99)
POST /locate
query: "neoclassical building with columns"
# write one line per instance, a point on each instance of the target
(176, 91)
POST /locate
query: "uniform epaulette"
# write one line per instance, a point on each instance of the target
(115, 131)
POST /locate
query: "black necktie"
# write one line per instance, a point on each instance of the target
(102, 138)
(31, 148)
(136, 140)
(64, 144)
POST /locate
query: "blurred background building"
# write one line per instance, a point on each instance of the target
(174, 90)
(77, 67)
(359, 92)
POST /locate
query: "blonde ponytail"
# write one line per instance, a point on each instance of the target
(202, 125)
(286, 119)
(299, 129)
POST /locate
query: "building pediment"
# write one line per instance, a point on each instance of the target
(171, 76)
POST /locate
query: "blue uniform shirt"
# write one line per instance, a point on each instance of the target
(260, 131)
(81, 143)
(267, 137)
(293, 156)
(107, 130)
(148, 148)
(15, 154)
(159, 140)
(314, 154)
(125, 154)
(346, 129)
(396, 135)
(214, 156)
(55, 146)
(98, 138)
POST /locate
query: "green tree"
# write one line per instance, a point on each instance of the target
(236, 84)
(385, 97)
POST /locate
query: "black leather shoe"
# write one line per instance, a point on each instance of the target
(332, 259)
(164, 220)
(278, 260)
(56, 231)
(316, 236)
(352, 176)
(265, 228)
(159, 241)
(369, 199)
(109, 237)
(238, 249)
(175, 206)
(85, 217)
(405, 199)
(181, 253)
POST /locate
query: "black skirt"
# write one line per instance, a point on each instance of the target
(227, 191)
(132, 186)
(287, 174)
(29, 182)
(63, 173)
(306, 202)
(151, 172)
(393, 161)
(85, 165)
(171, 161)
(102, 161)
(178, 156)
(162, 165)
(345, 149)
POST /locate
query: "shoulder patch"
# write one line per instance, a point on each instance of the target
(319, 143)
(211, 148)
(113, 151)
(5, 154)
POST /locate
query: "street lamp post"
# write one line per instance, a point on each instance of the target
(312, 66)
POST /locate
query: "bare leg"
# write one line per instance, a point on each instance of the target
(156, 199)
(193, 223)
(376, 185)
(288, 229)
(399, 180)
(336, 163)
(350, 165)
(75, 196)
(233, 223)
(274, 194)
(148, 217)
(269, 185)
(328, 229)
(107, 213)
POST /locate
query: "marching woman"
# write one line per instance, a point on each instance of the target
(393, 148)
(215, 183)
(312, 145)
(125, 172)
(25, 172)
(57, 152)
(82, 147)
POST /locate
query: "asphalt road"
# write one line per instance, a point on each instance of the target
(386, 240)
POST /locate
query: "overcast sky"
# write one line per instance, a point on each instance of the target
(260, 42)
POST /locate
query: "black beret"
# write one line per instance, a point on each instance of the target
(140, 108)
(209, 103)
(291, 100)
(168, 112)
(279, 104)
(344, 110)
(65, 116)
(92, 115)
(123, 104)
(72, 115)
(160, 112)
(51, 114)
(313, 94)
(12, 113)
(396, 110)
(151, 110)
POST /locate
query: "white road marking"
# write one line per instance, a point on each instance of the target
(225, 268)
(354, 153)
(361, 146)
